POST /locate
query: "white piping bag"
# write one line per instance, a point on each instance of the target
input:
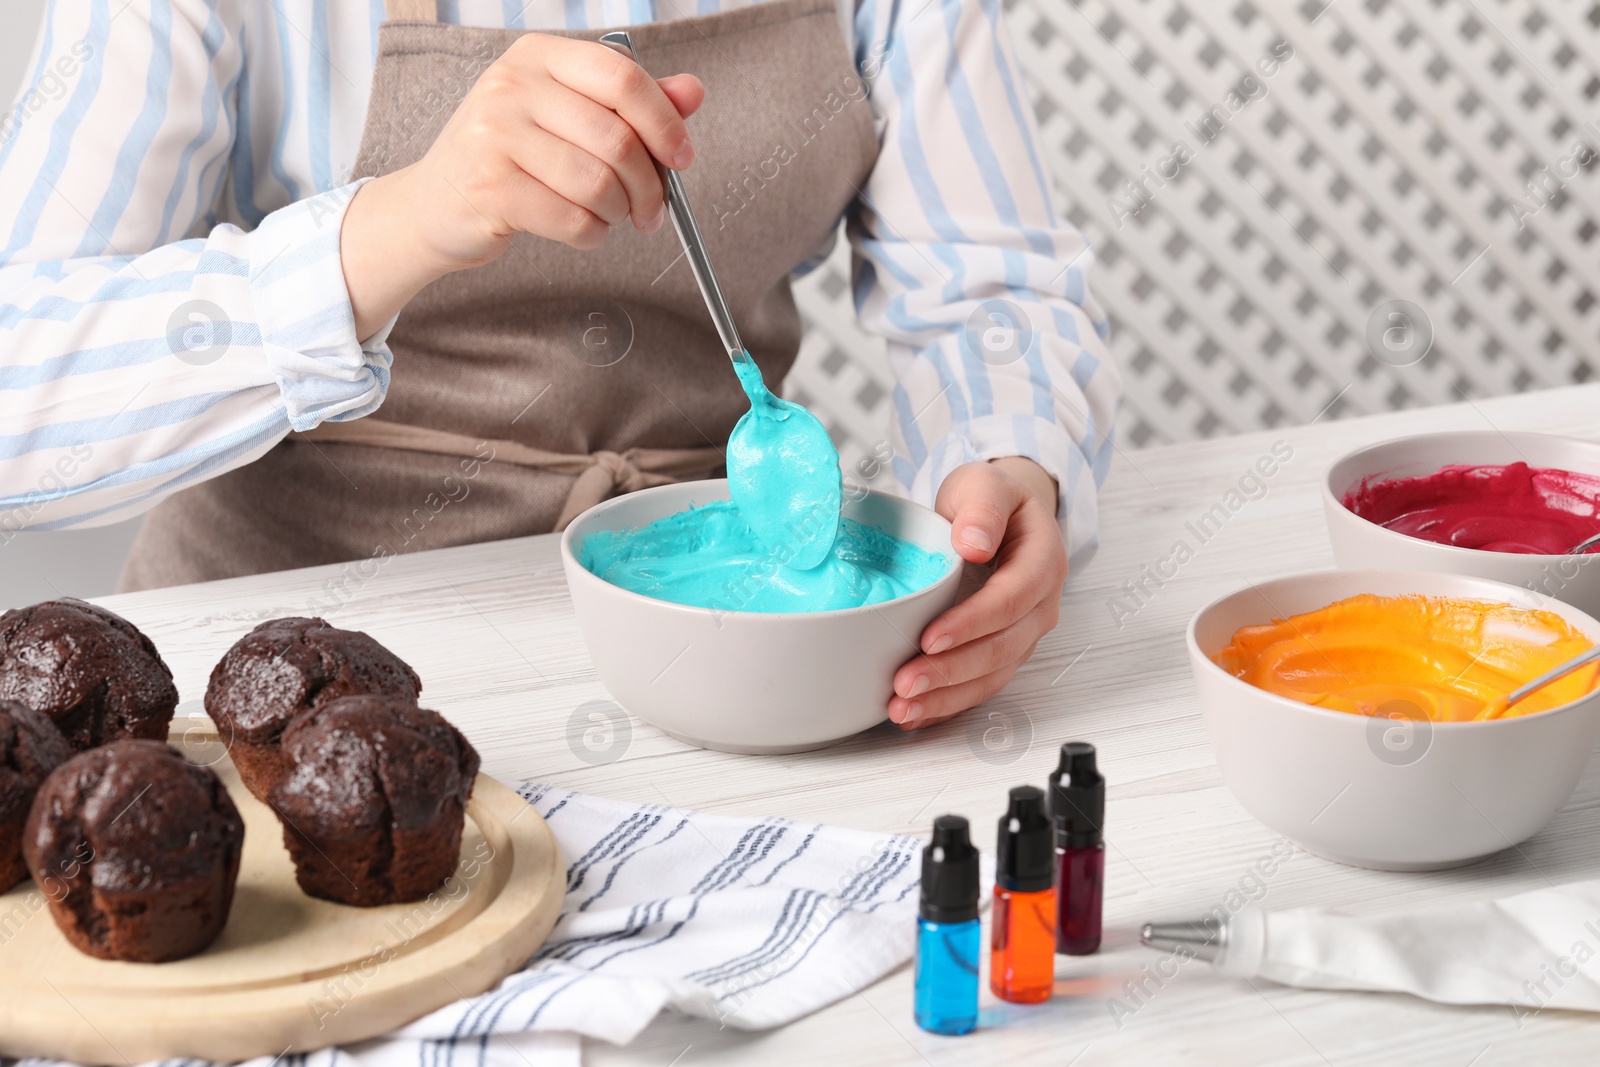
(1529, 952)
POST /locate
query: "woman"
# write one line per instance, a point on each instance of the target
(319, 289)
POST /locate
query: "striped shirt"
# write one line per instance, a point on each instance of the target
(168, 159)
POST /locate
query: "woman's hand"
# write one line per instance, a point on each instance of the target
(558, 138)
(1003, 512)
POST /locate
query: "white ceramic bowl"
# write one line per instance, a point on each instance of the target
(747, 681)
(1376, 792)
(1358, 543)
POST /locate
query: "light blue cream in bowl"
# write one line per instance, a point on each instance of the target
(758, 672)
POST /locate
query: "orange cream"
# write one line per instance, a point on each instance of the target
(1449, 659)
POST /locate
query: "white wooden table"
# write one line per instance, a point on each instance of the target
(491, 631)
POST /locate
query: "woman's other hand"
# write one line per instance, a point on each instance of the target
(1001, 512)
(558, 138)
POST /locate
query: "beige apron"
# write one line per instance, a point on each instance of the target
(529, 389)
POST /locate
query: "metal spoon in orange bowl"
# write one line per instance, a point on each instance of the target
(1583, 546)
(1497, 708)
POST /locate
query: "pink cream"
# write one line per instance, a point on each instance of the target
(1514, 508)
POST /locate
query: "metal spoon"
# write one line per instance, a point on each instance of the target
(689, 233)
(783, 471)
(1499, 707)
(1585, 545)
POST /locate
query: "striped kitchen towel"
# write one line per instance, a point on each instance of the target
(751, 923)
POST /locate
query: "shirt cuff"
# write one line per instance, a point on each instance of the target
(1029, 436)
(308, 328)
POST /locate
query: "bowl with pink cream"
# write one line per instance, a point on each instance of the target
(1504, 506)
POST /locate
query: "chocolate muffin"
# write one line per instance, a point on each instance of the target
(375, 800)
(137, 851)
(90, 671)
(287, 667)
(30, 748)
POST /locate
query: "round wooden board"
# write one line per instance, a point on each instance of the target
(289, 973)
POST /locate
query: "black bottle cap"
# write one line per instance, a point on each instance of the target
(1078, 798)
(950, 873)
(1025, 858)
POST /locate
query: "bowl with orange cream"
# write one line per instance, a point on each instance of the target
(1505, 506)
(1360, 713)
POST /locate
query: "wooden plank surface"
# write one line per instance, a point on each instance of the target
(491, 632)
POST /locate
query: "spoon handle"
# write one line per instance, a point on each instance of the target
(1561, 670)
(688, 230)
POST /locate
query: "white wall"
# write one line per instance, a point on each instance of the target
(78, 562)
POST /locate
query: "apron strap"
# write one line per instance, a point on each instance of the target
(411, 10)
(600, 475)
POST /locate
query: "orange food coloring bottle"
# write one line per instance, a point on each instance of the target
(1023, 923)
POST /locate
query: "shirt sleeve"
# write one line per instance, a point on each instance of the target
(143, 346)
(963, 265)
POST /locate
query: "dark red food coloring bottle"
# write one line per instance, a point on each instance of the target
(1078, 809)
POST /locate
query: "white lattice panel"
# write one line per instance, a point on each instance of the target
(1389, 157)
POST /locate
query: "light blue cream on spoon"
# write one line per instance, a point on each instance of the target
(783, 471)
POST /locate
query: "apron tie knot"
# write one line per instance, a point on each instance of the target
(610, 474)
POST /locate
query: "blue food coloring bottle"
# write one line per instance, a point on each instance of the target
(948, 936)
